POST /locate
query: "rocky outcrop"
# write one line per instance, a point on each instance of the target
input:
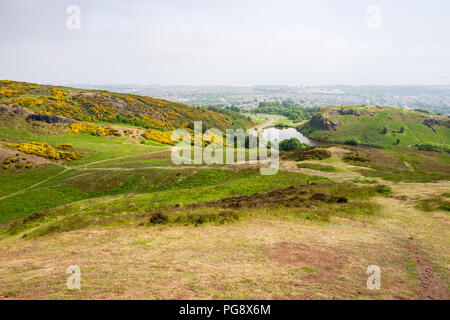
(349, 112)
(319, 122)
(48, 118)
(13, 109)
(18, 109)
(436, 122)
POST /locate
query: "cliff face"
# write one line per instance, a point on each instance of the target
(320, 122)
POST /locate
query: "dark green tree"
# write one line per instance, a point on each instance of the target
(290, 144)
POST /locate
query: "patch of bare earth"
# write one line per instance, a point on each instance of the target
(291, 166)
(337, 151)
(298, 254)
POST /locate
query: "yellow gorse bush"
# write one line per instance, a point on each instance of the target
(65, 146)
(10, 88)
(165, 138)
(80, 127)
(47, 151)
(92, 106)
(159, 136)
(29, 102)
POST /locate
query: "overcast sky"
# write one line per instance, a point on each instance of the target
(212, 42)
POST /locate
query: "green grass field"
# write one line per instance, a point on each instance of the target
(260, 118)
(116, 165)
(382, 127)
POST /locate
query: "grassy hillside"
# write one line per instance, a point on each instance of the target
(379, 126)
(106, 196)
(222, 232)
(112, 107)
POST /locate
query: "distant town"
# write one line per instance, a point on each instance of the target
(435, 99)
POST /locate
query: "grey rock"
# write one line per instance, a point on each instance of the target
(48, 118)
(318, 121)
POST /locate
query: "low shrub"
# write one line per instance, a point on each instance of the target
(158, 218)
(312, 153)
(159, 136)
(47, 151)
(323, 197)
(433, 204)
(433, 147)
(80, 127)
(65, 146)
(227, 216)
(292, 144)
(352, 142)
(354, 157)
(383, 190)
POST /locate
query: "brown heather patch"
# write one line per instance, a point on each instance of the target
(295, 196)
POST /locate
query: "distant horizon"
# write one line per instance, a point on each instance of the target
(227, 85)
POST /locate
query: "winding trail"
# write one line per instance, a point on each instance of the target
(33, 186)
(269, 122)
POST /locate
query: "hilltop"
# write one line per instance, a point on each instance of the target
(378, 126)
(111, 107)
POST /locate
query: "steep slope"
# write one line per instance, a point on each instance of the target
(379, 126)
(111, 107)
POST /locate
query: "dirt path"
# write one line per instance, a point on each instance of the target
(269, 122)
(33, 186)
(422, 235)
(432, 287)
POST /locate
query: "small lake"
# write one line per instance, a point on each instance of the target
(272, 134)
